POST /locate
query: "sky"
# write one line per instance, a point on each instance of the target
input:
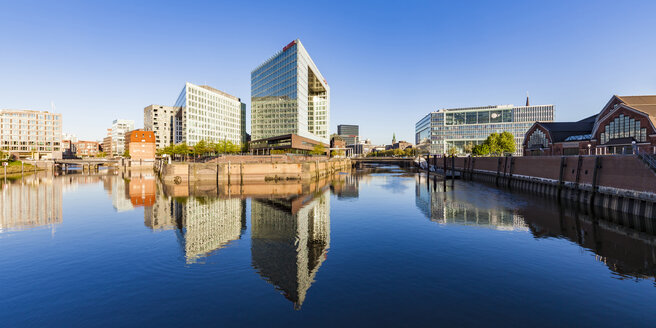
(388, 63)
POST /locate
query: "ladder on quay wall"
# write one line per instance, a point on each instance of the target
(649, 159)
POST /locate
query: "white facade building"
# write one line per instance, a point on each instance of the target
(161, 120)
(30, 133)
(119, 129)
(208, 114)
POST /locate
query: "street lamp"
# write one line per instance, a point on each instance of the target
(633, 147)
(589, 145)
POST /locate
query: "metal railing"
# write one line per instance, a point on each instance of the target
(649, 159)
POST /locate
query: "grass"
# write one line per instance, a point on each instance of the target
(15, 167)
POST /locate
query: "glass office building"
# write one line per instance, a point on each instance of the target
(289, 96)
(350, 133)
(461, 128)
(208, 114)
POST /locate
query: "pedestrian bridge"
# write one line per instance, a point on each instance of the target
(400, 161)
(85, 162)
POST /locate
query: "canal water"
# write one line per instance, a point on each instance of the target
(376, 248)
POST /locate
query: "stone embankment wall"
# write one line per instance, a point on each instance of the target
(620, 183)
(239, 173)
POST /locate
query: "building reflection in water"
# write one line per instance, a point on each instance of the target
(290, 241)
(31, 202)
(624, 243)
(449, 208)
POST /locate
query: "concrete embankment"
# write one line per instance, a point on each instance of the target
(240, 173)
(619, 183)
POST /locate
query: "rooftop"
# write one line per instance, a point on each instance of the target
(207, 87)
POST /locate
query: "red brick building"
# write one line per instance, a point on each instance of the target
(86, 148)
(625, 125)
(140, 145)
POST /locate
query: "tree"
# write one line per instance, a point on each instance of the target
(181, 150)
(496, 144)
(201, 148)
(126, 154)
(468, 148)
(318, 149)
(101, 154)
(507, 142)
(452, 150)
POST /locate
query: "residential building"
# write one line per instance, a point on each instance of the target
(161, 120)
(86, 148)
(31, 204)
(30, 133)
(289, 96)
(107, 143)
(461, 128)
(337, 141)
(399, 145)
(119, 129)
(208, 114)
(625, 125)
(140, 145)
(350, 133)
(68, 148)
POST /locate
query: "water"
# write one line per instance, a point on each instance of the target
(385, 248)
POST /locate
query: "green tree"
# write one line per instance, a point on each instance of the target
(506, 142)
(452, 150)
(101, 154)
(318, 149)
(181, 150)
(126, 154)
(201, 148)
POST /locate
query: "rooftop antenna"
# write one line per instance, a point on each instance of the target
(52, 106)
(527, 104)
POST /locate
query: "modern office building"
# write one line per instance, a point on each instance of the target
(350, 133)
(119, 129)
(208, 114)
(30, 133)
(290, 96)
(161, 120)
(461, 128)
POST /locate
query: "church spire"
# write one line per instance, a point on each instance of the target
(393, 138)
(527, 104)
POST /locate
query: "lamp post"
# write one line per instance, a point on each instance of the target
(589, 145)
(633, 147)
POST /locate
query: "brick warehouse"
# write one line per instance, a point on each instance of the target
(625, 125)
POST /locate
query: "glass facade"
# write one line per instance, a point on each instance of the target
(461, 128)
(623, 127)
(350, 133)
(208, 114)
(289, 95)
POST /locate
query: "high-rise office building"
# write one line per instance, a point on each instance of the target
(350, 133)
(461, 128)
(119, 129)
(289, 96)
(208, 114)
(30, 133)
(161, 120)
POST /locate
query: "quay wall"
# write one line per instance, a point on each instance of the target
(621, 183)
(240, 173)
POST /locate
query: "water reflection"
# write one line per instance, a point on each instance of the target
(625, 244)
(32, 202)
(290, 241)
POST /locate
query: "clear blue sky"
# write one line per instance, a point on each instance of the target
(388, 63)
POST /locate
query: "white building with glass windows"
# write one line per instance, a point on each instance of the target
(208, 114)
(462, 128)
(290, 96)
(30, 133)
(119, 129)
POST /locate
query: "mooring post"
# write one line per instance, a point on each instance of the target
(510, 173)
(563, 164)
(595, 181)
(444, 170)
(496, 181)
(22, 167)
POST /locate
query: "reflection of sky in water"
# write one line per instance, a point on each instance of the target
(128, 250)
